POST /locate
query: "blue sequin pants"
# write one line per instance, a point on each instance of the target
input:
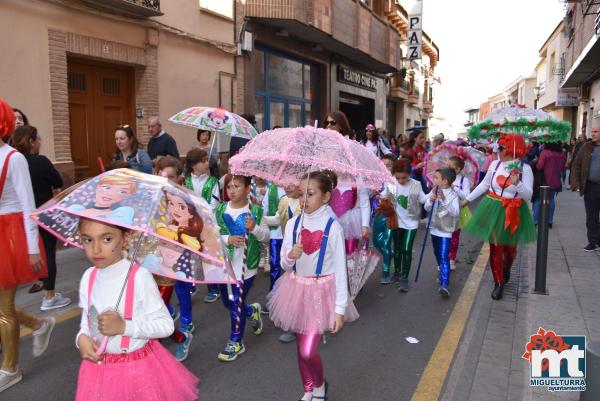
(275, 260)
(441, 249)
(183, 289)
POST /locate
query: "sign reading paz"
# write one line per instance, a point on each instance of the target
(415, 31)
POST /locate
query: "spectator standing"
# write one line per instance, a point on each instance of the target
(585, 177)
(549, 168)
(204, 138)
(44, 179)
(161, 143)
(337, 121)
(128, 150)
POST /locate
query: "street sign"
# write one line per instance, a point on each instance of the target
(567, 97)
(415, 30)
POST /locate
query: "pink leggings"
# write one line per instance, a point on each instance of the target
(454, 244)
(309, 360)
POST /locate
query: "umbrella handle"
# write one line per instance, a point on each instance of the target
(425, 239)
(212, 145)
(102, 346)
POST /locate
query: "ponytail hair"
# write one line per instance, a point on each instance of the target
(326, 179)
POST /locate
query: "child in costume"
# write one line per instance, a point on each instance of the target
(259, 191)
(171, 168)
(383, 222)
(443, 222)
(134, 366)
(462, 187)
(289, 206)
(312, 295)
(200, 181)
(270, 205)
(502, 217)
(242, 229)
(198, 177)
(352, 209)
(407, 196)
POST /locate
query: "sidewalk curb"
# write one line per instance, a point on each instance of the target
(432, 380)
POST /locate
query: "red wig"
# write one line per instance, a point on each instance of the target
(7, 119)
(513, 145)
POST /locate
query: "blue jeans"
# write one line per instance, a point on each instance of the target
(537, 204)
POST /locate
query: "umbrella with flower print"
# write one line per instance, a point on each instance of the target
(532, 124)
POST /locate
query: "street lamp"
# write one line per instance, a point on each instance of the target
(536, 92)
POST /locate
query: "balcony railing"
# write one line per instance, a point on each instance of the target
(130, 8)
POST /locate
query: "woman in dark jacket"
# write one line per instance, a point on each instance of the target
(44, 179)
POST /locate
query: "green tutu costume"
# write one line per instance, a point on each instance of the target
(489, 222)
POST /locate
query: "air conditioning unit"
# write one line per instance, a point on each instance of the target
(583, 92)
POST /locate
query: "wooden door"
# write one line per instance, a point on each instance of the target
(100, 99)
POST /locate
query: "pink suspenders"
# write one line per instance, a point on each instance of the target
(129, 298)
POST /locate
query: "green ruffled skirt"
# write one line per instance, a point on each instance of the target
(487, 224)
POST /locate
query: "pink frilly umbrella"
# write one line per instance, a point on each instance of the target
(439, 156)
(285, 155)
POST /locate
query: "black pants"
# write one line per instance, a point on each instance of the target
(49, 241)
(592, 212)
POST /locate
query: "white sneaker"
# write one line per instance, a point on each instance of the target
(41, 337)
(8, 379)
(58, 301)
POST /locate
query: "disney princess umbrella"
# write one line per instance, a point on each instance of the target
(173, 232)
(284, 156)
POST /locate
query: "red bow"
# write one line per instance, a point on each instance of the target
(512, 211)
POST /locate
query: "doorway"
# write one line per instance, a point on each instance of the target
(101, 97)
(359, 110)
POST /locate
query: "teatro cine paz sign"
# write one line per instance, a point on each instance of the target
(356, 78)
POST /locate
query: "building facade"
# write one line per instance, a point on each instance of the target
(79, 69)
(582, 55)
(304, 58)
(561, 103)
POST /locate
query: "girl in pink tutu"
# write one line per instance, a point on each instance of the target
(312, 295)
(134, 366)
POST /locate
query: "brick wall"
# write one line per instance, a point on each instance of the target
(146, 91)
(59, 94)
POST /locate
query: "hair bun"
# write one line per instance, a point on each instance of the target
(332, 176)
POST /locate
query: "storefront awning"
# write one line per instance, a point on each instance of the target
(586, 67)
(315, 36)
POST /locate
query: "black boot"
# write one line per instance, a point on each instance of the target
(497, 293)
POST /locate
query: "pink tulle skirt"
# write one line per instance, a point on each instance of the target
(150, 373)
(303, 304)
(350, 221)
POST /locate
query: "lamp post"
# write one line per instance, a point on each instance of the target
(536, 92)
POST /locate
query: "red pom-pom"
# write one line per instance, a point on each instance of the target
(513, 145)
(7, 119)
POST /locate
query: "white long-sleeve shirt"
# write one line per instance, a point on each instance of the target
(274, 222)
(335, 255)
(17, 195)
(198, 182)
(261, 232)
(396, 191)
(452, 206)
(523, 190)
(151, 319)
(462, 186)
